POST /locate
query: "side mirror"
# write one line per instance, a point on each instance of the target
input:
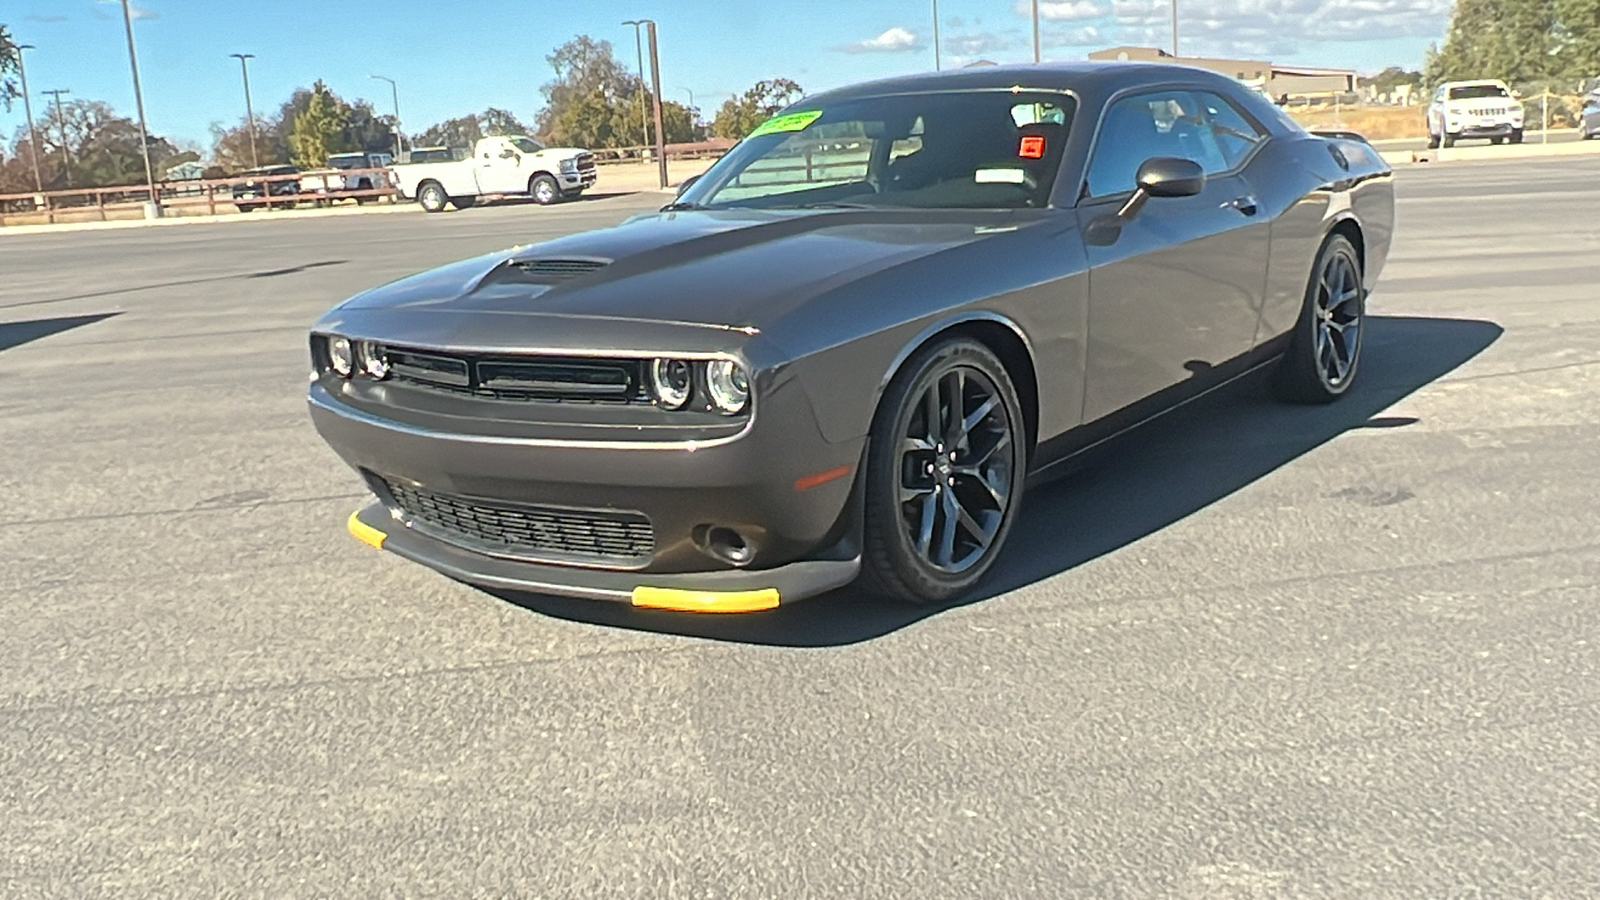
(687, 183)
(1163, 176)
(1169, 176)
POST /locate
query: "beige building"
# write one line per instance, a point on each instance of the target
(1276, 81)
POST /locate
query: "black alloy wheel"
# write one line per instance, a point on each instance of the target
(945, 473)
(1320, 363)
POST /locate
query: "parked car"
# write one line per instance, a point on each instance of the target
(806, 371)
(252, 193)
(1474, 109)
(333, 184)
(1589, 124)
(498, 167)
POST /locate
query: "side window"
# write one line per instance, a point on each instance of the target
(1143, 126)
(1235, 136)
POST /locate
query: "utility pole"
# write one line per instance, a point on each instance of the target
(1174, 29)
(1036, 30)
(249, 112)
(27, 110)
(61, 119)
(395, 90)
(655, 86)
(936, 35)
(138, 99)
(644, 108)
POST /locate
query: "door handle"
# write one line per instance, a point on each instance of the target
(1245, 205)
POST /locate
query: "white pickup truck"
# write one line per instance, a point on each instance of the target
(508, 166)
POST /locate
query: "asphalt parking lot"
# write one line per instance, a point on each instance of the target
(1259, 652)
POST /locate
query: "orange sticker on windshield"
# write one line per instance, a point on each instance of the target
(1032, 147)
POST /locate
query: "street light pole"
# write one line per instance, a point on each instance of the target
(936, 35)
(138, 100)
(27, 110)
(395, 90)
(655, 86)
(644, 111)
(1035, 30)
(1174, 29)
(61, 119)
(249, 111)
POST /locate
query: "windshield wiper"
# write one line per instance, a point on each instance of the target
(679, 206)
(836, 204)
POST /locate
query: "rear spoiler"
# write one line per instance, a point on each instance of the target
(1340, 134)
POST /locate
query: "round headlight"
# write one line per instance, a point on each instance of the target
(339, 356)
(671, 381)
(728, 386)
(374, 360)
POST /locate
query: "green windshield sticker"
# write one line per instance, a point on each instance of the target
(792, 122)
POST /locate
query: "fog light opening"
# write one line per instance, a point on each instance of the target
(728, 545)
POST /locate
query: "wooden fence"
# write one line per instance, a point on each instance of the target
(210, 196)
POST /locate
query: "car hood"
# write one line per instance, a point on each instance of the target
(738, 269)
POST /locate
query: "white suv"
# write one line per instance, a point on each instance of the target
(1474, 109)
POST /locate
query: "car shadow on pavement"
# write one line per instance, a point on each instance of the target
(1142, 482)
(14, 334)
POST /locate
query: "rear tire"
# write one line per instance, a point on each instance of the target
(1497, 140)
(544, 190)
(1516, 136)
(945, 468)
(1325, 346)
(431, 197)
(1449, 139)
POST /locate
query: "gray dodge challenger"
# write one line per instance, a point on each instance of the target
(844, 351)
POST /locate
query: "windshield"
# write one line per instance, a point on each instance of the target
(966, 150)
(1478, 92)
(526, 144)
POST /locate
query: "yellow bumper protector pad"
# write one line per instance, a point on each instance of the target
(705, 601)
(365, 533)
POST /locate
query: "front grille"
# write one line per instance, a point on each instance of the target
(586, 162)
(523, 379)
(620, 538)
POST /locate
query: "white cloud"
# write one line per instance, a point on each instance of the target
(895, 40)
(134, 10)
(979, 43)
(1062, 10)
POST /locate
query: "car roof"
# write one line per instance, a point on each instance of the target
(1095, 76)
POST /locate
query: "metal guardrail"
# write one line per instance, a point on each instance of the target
(216, 195)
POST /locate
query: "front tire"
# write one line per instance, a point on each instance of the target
(1325, 346)
(1433, 141)
(945, 469)
(463, 202)
(544, 190)
(1516, 136)
(431, 197)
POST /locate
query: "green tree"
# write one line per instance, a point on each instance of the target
(596, 102)
(464, 131)
(1518, 41)
(321, 129)
(103, 148)
(740, 115)
(10, 65)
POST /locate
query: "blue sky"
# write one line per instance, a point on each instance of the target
(452, 57)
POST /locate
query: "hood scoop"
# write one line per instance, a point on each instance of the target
(523, 274)
(555, 271)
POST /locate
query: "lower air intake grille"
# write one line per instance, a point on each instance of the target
(617, 538)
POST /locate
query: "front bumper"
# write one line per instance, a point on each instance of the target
(729, 591)
(580, 180)
(1481, 130)
(761, 483)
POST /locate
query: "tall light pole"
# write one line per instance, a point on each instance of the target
(394, 89)
(27, 110)
(138, 100)
(61, 119)
(249, 111)
(1036, 30)
(1174, 29)
(644, 111)
(655, 87)
(936, 35)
